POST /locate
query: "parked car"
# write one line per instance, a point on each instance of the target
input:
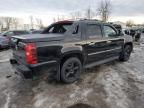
(4, 42)
(9, 34)
(36, 31)
(67, 47)
(135, 33)
(127, 31)
(119, 28)
(138, 35)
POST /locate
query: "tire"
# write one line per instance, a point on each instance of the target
(125, 54)
(70, 70)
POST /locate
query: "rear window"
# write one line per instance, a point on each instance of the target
(59, 28)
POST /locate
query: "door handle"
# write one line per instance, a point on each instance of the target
(108, 42)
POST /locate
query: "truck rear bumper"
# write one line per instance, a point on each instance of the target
(31, 71)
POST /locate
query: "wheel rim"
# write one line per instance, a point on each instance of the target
(71, 70)
(127, 52)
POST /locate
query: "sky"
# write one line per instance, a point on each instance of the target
(122, 10)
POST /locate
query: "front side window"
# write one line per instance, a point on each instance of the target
(109, 31)
(93, 31)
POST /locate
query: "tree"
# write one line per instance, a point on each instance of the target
(75, 15)
(32, 22)
(89, 13)
(104, 10)
(7, 21)
(1, 24)
(129, 23)
(39, 23)
(72, 15)
(15, 22)
(54, 20)
(58, 18)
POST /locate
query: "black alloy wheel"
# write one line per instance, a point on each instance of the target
(125, 55)
(70, 70)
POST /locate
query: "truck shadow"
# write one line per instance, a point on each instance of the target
(80, 105)
(90, 72)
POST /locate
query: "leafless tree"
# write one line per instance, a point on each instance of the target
(104, 9)
(32, 22)
(7, 21)
(89, 13)
(62, 17)
(72, 15)
(1, 24)
(129, 23)
(78, 15)
(75, 15)
(39, 23)
(58, 18)
(54, 20)
(15, 22)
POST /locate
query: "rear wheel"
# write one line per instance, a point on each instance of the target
(125, 54)
(70, 70)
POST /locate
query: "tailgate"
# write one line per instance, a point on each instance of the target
(18, 47)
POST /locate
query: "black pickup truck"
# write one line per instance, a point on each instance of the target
(67, 47)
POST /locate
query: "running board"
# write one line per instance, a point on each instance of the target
(101, 62)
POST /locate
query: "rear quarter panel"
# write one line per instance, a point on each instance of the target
(48, 51)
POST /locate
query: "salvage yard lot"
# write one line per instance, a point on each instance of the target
(112, 85)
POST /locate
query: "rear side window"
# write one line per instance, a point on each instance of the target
(93, 31)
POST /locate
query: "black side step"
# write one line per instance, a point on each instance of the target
(101, 62)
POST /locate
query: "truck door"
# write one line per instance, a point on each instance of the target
(113, 41)
(95, 45)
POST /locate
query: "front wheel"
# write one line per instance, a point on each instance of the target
(70, 70)
(125, 54)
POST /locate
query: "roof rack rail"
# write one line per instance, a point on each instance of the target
(90, 19)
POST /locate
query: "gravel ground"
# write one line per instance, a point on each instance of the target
(112, 85)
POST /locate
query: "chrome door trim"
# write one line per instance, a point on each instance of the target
(90, 54)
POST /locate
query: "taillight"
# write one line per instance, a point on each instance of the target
(31, 53)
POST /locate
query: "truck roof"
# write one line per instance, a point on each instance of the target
(81, 20)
